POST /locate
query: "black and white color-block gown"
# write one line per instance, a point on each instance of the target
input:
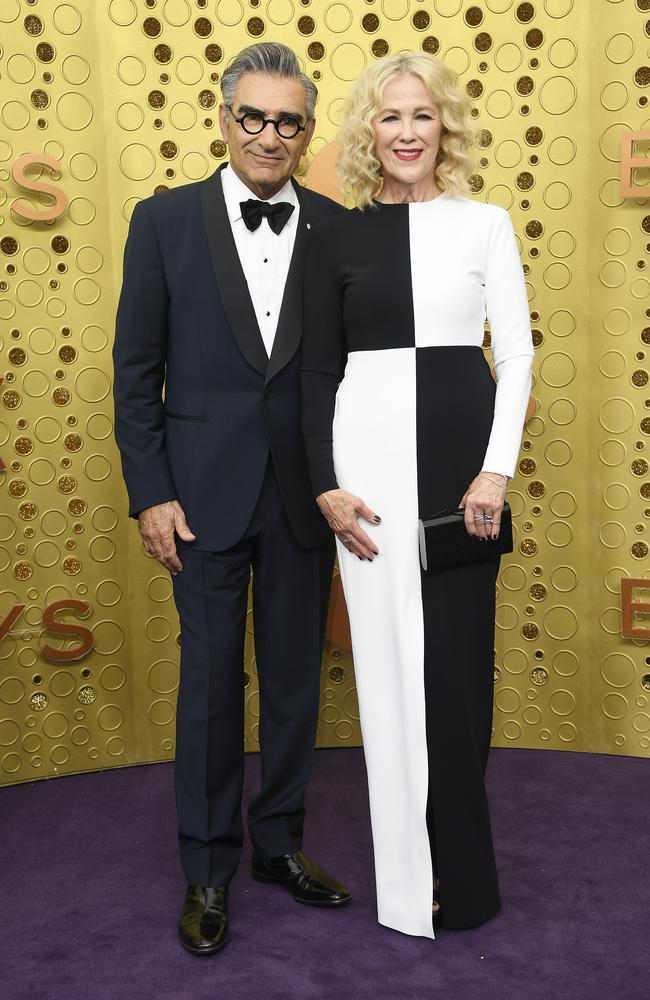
(400, 408)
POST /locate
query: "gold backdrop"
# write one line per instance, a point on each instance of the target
(124, 95)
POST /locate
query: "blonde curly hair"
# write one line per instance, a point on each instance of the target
(357, 166)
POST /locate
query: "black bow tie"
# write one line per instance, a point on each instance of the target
(278, 214)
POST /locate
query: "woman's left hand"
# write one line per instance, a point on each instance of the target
(483, 503)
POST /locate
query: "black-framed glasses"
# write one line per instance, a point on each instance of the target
(254, 123)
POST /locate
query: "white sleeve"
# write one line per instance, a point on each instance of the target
(506, 304)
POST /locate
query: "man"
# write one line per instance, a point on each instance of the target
(211, 307)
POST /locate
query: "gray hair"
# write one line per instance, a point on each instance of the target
(267, 57)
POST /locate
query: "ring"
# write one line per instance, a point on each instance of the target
(479, 517)
(344, 540)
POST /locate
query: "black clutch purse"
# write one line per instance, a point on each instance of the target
(445, 542)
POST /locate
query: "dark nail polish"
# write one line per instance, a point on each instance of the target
(360, 557)
(377, 519)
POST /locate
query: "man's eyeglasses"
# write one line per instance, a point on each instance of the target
(254, 123)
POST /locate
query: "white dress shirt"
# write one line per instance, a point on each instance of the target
(264, 256)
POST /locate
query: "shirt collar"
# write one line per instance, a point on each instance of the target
(235, 191)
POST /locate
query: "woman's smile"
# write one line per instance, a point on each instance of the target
(408, 154)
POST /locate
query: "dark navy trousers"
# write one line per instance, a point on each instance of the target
(291, 587)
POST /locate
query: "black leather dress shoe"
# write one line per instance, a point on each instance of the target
(305, 881)
(203, 926)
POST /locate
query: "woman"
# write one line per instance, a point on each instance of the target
(401, 413)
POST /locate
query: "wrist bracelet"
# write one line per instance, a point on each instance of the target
(496, 483)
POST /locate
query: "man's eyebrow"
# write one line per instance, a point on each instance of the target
(248, 109)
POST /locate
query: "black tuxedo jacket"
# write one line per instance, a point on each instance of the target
(186, 329)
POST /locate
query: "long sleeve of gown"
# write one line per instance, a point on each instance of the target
(512, 345)
(323, 360)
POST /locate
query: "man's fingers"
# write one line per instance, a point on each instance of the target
(163, 549)
(157, 527)
(182, 527)
(168, 551)
(169, 555)
(173, 566)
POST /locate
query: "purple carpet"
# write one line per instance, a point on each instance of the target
(91, 889)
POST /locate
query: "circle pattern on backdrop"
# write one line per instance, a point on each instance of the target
(64, 531)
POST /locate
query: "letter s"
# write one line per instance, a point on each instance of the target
(24, 210)
(61, 628)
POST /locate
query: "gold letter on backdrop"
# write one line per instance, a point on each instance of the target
(628, 607)
(52, 624)
(630, 163)
(11, 618)
(24, 210)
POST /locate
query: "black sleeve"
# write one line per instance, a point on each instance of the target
(139, 356)
(323, 361)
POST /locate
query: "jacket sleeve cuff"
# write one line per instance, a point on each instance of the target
(157, 488)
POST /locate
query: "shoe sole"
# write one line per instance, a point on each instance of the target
(267, 880)
(202, 952)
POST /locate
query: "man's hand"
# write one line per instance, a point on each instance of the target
(157, 527)
(341, 510)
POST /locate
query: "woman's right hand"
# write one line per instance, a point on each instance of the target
(341, 510)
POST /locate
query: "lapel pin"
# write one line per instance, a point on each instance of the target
(309, 225)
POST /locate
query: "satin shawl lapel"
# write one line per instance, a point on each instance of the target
(230, 276)
(289, 330)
